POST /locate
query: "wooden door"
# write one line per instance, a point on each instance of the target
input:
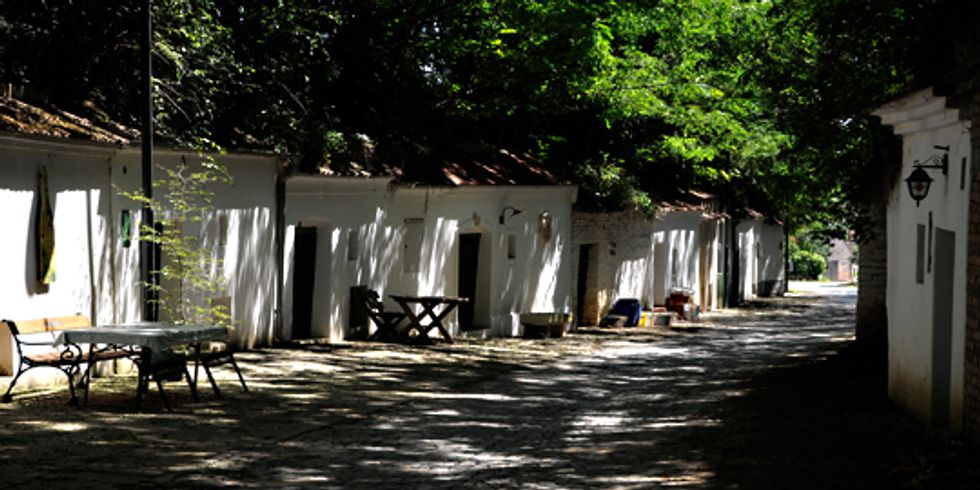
(304, 281)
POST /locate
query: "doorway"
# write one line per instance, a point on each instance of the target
(585, 298)
(304, 282)
(942, 326)
(660, 274)
(469, 272)
(703, 277)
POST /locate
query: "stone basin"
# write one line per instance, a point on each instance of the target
(545, 324)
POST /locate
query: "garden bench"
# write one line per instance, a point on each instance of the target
(217, 354)
(44, 353)
(386, 321)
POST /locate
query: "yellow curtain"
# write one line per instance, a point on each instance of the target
(44, 227)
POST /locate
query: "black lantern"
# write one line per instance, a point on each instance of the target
(919, 180)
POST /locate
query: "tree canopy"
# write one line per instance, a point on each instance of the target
(764, 102)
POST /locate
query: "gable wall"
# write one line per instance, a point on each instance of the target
(98, 277)
(910, 303)
(537, 279)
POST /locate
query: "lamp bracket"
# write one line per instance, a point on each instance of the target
(935, 161)
(513, 212)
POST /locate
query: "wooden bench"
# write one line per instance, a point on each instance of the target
(67, 359)
(386, 321)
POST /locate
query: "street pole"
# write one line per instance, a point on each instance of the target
(147, 262)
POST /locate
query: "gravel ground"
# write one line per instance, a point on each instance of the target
(768, 396)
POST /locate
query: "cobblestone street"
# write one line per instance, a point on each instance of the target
(750, 398)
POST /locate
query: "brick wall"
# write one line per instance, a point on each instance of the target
(616, 238)
(872, 315)
(971, 382)
(963, 87)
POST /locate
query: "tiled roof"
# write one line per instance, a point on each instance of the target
(498, 168)
(690, 200)
(20, 117)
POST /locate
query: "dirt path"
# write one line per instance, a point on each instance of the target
(754, 398)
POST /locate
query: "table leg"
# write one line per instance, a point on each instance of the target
(197, 361)
(87, 378)
(445, 312)
(143, 384)
(436, 320)
(414, 321)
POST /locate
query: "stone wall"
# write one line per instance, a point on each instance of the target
(971, 374)
(621, 259)
(872, 315)
(963, 85)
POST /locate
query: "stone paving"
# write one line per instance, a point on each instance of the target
(743, 399)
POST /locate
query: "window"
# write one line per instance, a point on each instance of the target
(412, 247)
(222, 230)
(920, 253)
(222, 242)
(353, 244)
(675, 266)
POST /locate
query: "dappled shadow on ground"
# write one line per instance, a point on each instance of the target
(748, 400)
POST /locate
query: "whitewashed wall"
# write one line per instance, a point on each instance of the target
(924, 121)
(98, 277)
(678, 235)
(79, 190)
(762, 258)
(747, 232)
(537, 279)
(772, 259)
(246, 209)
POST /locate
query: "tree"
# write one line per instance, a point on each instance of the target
(190, 274)
(765, 102)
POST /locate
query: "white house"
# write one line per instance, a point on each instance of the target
(96, 267)
(927, 261)
(629, 255)
(504, 245)
(762, 257)
(688, 255)
(841, 265)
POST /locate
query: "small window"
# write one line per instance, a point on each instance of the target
(412, 247)
(353, 244)
(222, 230)
(222, 248)
(920, 254)
(511, 246)
(675, 266)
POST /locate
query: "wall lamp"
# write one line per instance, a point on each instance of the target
(919, 180)
(513, 212)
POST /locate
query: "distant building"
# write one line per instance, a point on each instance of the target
(841, 263)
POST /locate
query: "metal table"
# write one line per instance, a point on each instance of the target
(150, 338)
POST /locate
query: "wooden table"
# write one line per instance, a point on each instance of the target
(434, 308)
(151, 338)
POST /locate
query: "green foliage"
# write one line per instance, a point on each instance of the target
(808, 250)
(807, 265)
(190, 273)
(830, 63)
(764, 102)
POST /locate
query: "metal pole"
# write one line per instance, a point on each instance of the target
(147, 265)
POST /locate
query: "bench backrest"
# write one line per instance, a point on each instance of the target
(371, 299)
(48, 324)
(10, 342)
